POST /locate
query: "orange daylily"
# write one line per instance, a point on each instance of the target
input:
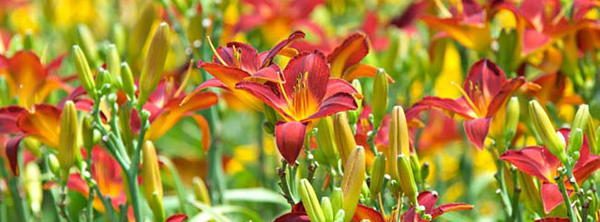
(28, 79)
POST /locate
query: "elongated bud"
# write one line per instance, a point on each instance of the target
(68, 147)
(352, 181)
(416, 168)
(325, 140)
(337, 199)
(127, 80)
(53, 164)
(580, 123)
(104, 81)
(512, 118)
(155, 61)
(28, 40)
(113, 64)
(575, 141)
(32, 182)
(327, 209)
(377, 175)
(407, 182)
(380, 96)
(545, 130)
(4, 91)
(310, 201)
(399, 142)
(531, 193)
(87, 42)
(153, 191)
(84, 72)
(118, 37)
(200, 191)
(344, 139)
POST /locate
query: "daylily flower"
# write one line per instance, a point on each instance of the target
(298, 214)
(537, 161)
(106, 172)
(304, 93)
(485, 90)
(28, 79)
(467, 24)
(277, 18)
(428, 199)
(238, 61)
(168, 104)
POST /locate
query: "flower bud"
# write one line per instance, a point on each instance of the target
(53, 164)
(377, 175)
(545, 130)
(531, 194)
(399, 141)
(118, 37)
(84, 72)
(127, 80)
(4, 90)
(87, 42)
(379, 97)
(512, 118)
(68, 146)
(344, 139)
(416, 168)
(352, 181)
(407, 182)
(337, 199)
(113, 64)
(104, 80)
(150, 172)
(154, 63)
(325, 140)
(32, 182)
(310, 201)
(200, 191)
(583, 122)
(87, 132)
(575, 141)
(327, 209)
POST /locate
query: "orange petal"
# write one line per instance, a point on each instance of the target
(26, 75)
(204, 129)
(350, 52)
(472, 36)
(42, 123)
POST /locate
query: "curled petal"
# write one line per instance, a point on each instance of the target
(474, 36)
(8, 119)
(290, 139)
(363, 212)
(12, 153)
(43, 123)
(502, 96)
(270, 73)
(354, 48)
(535, 161)
(334, 104)
(238, 55)
(228, 75)
(444, 208)
(280, 46)
(177, 218)
(449, 105)
(204, 129)
(477, 130)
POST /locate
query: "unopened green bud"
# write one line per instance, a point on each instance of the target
(87, 42)
(352, 181)
(53, 164)
(104, 80)
(575, 141)
(512, 118)
(407, 181)
(380, 96)
(344, 139)
(84, 72)
(150, 172)
(377, 175)
(325, 140)
(118, 37)
(545, 130)
(127, 80)
(337, 199)
(327, 208)
(200, 191)
(69, 137)
(32, 182)
(153, 66)
(399, 140)
(113, 64)
(87, 132)
(310, 201)
(28, 41)
(33, 145)
(416, 167)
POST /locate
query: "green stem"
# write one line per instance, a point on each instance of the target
(565, 195)
(262, 171)
(13, 185)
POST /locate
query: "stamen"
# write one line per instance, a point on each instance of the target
(212, 47)
(467, 98)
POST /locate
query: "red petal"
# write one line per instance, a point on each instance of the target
(477, 130)
(267, 93)
(533, 40)
(293, 217)
(502, 96)
(12, 153)
(410, 14)
(43, 123)
(354, 48)
(312, 64)
(177, 218)
(428, 200)
(366, 213)
(454, 106)
(270, 73)
(535, 161)
(334, 104)
(484, 82)
(228, 75)
(551, 196)
(280, 46)
(26, 76)
(444, 208)
(8, 119)
(553, 219)
(247, 59)
(290, 139)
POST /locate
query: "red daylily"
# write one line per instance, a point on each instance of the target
(553, 219)
(298, 214)
(537, 161)
(485, 90)
(168, 104)
(237, 61)
(277, 18)
(28, 79)
(304, 93)
(428, 199)
(406, 20)
(437, 133)
(106, 172)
